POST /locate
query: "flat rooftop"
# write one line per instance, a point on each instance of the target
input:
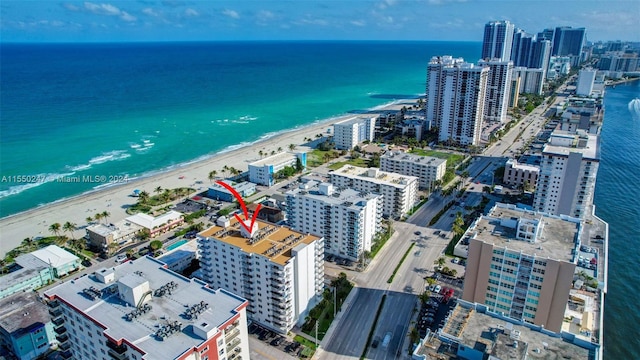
(122, 227)
(557, 238)
(275, 241)
(496, 337)
(351, 121)
(22, 312)
(176, 254)
(399, 155)
(590, 151)
(374, 175)
(279, 158)
(110, 311)
(339, 196)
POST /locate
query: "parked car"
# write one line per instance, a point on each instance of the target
(437, 288)
(121, 258)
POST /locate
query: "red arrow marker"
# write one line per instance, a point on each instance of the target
(242, 205)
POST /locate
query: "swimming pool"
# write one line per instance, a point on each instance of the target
(178, 244)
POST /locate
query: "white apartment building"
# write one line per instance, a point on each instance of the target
(498, 89)
(582, 113)
(280, 271)
(568, 171)
(347, 219)
(426, 168)
(531, 80)
(140, 310)
(586, 78)
(400, 191)
(456, 97)
(351, 132)
(263, 171)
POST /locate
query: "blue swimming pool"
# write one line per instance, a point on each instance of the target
(179, 243)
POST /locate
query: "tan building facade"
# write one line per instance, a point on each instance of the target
(520, 175)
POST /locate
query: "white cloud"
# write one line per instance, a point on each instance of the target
(312, 21)
(231, 13)
(102, 9)
(150, 12)
(358, 22)
(127, 17)
(71, 7)
(191, 12)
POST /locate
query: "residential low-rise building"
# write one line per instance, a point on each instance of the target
(279, 270)
(582, 113)
(519, 175)
(347, 219)
(349, 133)
(141, 310)
(412, 128)
(100, 236)
(267, 213)
(264, 170)
(400, 191)
(219, 192)
(157, 225)
(179, 258)
(428, 169)
(25, 326)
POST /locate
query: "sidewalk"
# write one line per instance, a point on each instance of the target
(346, 305)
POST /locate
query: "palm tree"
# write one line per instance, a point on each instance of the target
(70, 228)
(28, 243)
(55, 229)
(105, 215)
(89, 219)
(143, 197)
(97, 217)
(440, 261)
(224, 170)
(424, 297)
(279, 148)
(261, 153)
(158, 190)
(212, 175)
(166, 195)
(458, 224)
(273, 152)
(292, 146)
(112, 247)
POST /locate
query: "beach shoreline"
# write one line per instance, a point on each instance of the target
(116, 198)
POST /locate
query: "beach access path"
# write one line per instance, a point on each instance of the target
(115, 200)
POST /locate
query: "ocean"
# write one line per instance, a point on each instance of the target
(137, 109)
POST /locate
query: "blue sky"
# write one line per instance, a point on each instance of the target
(175, 20)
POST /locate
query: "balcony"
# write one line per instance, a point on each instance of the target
(114, 355)
(233, 343)
(117, 349)
(60, 330)
(62, 338)
(67, 355)
(64, 346)
(231, 335)
(58, 321)
(55, 312)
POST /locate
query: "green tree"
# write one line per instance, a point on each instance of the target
(158, 190)
(89, 219)
(279, 148)
(70, 228)
(155, 245)
(293, 146)
(55, 229)
(97, 217)
(212, 175)
(261, 153)
(105, 215)
(299, 166)
(440, 261)
(424, 297)
(273, 152)
(355, 155)
(143, 197)
(458, 225)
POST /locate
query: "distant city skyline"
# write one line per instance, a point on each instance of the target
(448, 20)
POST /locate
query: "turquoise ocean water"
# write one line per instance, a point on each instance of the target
(136, 109)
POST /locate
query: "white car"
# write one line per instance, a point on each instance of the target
(437, 288)
(121, 258)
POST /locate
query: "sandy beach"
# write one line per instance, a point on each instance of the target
(36, 222)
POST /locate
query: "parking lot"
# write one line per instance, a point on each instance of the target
(274, 341)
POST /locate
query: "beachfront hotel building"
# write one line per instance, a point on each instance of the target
(520, 175)
(280, 271)
(264, 170)
(349, 133)
(498, 89)
(427, 169)
(219, 192)
(456, 97)
(157, 225)
(141, 310)
(497, 40)
(25, 326)
(347, 219)
(100, 236)
(568, 171)
(400, 191)
(521, 264)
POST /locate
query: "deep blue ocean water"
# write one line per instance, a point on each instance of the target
(137, 109)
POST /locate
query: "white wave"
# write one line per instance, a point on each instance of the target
(40, 179)
(149, 144)
(103, 158)
(146, 141)
(248, 117)
(135, 146)
(79, 167)
(634, 108)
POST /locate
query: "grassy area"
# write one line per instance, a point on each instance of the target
(360, 162)
(453, 160)
(378, 242)
(415, 208)
(323, 312)
(373, 328)
(317, 157)
(305, 342)
(400, 263)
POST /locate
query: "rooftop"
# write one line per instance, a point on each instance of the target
(22, 312)
(121, 227)
(374, 175)
(279, 158)
(272, 241)
(150, 222)
(245, 185)
(497, 337)
(590, 150)
(557, 237)
(54, 256)
(336, 196)
(106, 307)
(525, 167)
(398, 155)
(351, 121)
